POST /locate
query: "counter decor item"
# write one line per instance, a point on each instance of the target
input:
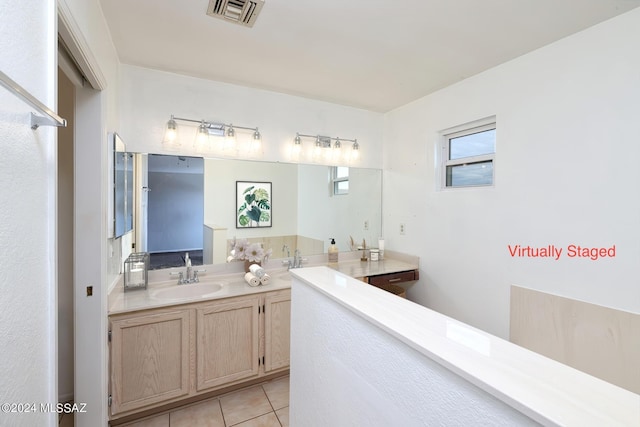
(253, 204)
(251, 279)
(256, 275)
(250, 253)
(333, 251)
(364, 251)
(248, 264)
(136, 269)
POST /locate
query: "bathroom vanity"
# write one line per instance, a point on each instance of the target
(173, 344)
(163, 355)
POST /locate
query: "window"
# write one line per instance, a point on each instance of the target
(339, 180)
(469, 154)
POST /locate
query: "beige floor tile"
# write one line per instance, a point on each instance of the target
(267, 420)
(204, 414)
(283, 416)
(244, 404)
(159, 421)
(278, 392)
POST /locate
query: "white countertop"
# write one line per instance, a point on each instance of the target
(357, 268)
(545, 390)
(233, 285)
(231, 277)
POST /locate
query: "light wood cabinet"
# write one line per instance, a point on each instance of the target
(277, 328)
(162, 356)
(149, 359)
(227, 341)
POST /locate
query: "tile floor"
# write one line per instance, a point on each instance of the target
(262, 405)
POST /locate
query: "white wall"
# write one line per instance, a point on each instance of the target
(565, 173)
(149, 97)
(28, 214)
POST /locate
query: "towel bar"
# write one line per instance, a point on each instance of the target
(50, 118)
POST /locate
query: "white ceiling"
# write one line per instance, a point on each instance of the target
(371, 54)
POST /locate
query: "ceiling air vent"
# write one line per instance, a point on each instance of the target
(242, 12)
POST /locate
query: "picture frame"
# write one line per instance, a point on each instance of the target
(253, 204)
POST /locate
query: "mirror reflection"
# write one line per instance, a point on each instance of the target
(122, 187)
(191, 204)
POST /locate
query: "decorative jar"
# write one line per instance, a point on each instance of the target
(136, 271)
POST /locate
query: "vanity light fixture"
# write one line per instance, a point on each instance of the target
(202, 136)
(319, 147)
(230, 139)
(255, 146)
(296, 148)
(355, 151)
(337, 155)
(206, 129)
(327, 149)
(171, 133)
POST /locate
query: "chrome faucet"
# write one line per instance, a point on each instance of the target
(187, 264)
(191, 273)
(287, 262)
(297, 260)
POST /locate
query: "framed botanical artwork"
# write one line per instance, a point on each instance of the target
(253, 204)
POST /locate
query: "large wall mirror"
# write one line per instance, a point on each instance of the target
(122, 187)
(190, 204)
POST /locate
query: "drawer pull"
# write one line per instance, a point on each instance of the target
(397, 279)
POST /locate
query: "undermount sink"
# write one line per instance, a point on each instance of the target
(193, 290)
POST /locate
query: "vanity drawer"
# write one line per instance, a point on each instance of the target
(393, 278)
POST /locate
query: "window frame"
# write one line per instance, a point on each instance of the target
(447, 135)
(334, 180)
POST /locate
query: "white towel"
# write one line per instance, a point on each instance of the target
(264, 280)
(251, 279)
(257, 270)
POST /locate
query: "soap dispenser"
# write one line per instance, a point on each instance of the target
(333, 251)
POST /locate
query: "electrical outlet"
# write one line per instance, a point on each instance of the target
(366, 224)
(403, 228)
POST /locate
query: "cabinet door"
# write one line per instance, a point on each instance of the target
(227, 341)
(277, 326)
(149, 360)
